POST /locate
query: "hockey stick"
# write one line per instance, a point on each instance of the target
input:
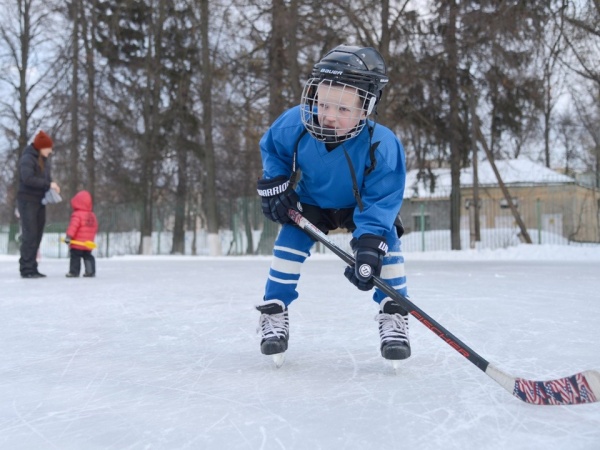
(89, 244)
(583, 387)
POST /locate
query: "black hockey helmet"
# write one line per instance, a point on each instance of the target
(362, 67)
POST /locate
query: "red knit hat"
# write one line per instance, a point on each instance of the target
(42, 140)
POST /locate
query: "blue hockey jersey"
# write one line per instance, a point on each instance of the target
(326, 179)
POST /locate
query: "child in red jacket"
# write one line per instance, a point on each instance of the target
(83, 226)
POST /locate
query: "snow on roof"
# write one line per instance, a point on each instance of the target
(514, 172)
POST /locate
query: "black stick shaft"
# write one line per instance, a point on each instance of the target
(413, 309)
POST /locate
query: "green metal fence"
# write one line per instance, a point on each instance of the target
(244, 231)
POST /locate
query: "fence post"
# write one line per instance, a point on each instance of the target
(159, 226)
(422, 227)
(539, 219)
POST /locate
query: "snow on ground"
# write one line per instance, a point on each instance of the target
(161, 353)
(523, 252)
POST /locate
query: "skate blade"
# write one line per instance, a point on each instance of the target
(397, 366)
(278, 359)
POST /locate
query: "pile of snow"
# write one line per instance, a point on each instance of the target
(524, 252)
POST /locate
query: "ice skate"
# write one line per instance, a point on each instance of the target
(273, 326)
(393, 330)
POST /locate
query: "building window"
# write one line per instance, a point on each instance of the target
(504, 203)
(417, 222)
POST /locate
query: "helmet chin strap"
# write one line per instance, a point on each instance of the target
(328, 135)
(325, 134)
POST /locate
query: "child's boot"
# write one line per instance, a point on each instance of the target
(90, 268)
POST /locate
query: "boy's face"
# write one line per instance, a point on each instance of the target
(339, 108)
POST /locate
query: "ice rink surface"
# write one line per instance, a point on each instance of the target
(162, 353)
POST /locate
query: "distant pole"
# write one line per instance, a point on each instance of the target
(422, 227)
(476, 231)
(539, 219)
(159, 227)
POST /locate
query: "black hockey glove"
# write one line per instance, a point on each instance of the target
(67, 240)
(369, 251)
(277, 198)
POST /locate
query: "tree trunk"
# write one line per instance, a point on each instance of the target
(178, 246)
(90, 142)
(20, 49)
(150, 143)
(450, 42)
(212, 212)
(73, 183)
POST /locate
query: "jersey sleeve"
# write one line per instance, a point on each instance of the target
(277, 145)
(382, 190)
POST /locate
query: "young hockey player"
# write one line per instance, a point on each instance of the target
(83, 227)
(352, 177)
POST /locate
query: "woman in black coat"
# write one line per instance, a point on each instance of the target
(35, 180)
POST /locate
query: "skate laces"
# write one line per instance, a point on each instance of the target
(392, 327)
(273, 325)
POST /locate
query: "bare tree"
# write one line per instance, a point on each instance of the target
(89, 24)
(588, 118)
(207, 126)
(74, 103)
(583, 40)
(30, 81)
(182, 61)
